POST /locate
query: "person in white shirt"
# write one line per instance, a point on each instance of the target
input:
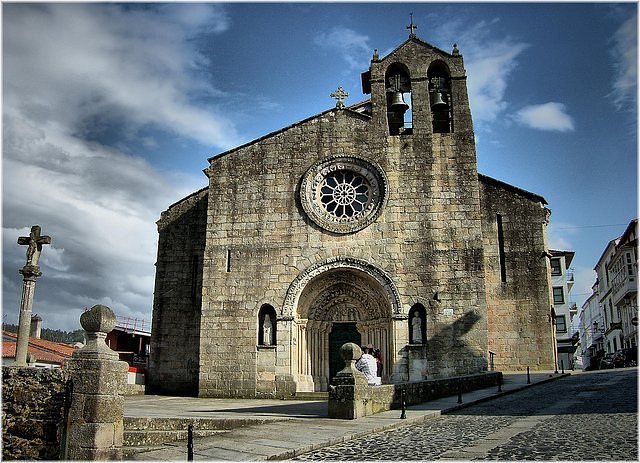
(368, 366)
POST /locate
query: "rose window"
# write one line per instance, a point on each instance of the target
(343, 194)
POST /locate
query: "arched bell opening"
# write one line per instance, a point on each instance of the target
(440, 97)
(398, 92)
(338, 306)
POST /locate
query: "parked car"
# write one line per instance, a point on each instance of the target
(606, 362)
(618, 359)
(631, 356)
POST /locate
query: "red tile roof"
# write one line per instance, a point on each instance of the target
(41, 349)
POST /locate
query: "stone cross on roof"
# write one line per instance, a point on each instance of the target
(412, 27)
(34, 242)
(339, 95)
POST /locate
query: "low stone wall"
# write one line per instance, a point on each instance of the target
(423, 391)
(33, 412)
(350, 397)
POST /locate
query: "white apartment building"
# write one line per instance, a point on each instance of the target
(609, 317)
(591, 333)
(562, 281)
(623, 272)
(610, 320)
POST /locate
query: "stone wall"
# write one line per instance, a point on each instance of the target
(520, 324)
(417, 392)
(175, 332)
(427, 246)
(33, 413)
(427, 240)
(352, 400)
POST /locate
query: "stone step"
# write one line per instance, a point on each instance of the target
(145, 432)
(150, 438)
(310, 396)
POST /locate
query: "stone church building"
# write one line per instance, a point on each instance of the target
(366, 223)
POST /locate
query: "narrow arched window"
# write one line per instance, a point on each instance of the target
(440, 97)
(267, 326)
(398, 92)
(417, 324)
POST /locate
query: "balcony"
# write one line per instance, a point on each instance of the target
(573, 309)
(625, 288)
(614, 326)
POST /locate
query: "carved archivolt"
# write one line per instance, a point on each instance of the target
(344, 285)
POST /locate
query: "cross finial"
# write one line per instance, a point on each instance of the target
(339, 95)
(412, 27)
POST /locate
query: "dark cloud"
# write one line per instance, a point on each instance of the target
(80, 80)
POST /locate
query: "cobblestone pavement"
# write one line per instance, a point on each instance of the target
(587, 416)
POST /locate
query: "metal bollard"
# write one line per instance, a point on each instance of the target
(528, 376)
(403, 404)
(190, 443)
(562, 366)
(459, 391)
(500, 383)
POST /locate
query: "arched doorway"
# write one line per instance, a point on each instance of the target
(340, 334)
(340, 304)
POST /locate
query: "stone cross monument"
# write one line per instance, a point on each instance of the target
(29, 272)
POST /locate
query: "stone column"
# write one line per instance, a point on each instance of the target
(99, 381)
(30, 272)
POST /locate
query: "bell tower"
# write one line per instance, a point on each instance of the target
(418, 89)
(420, 114)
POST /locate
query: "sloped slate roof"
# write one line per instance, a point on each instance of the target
(514, 189)
(272, 134)
(419, 42)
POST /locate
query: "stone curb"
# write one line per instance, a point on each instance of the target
(414, 420)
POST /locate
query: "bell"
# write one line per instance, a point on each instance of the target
(438, 103)
(397, 103)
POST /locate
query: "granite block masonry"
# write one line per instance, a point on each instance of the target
(99, 380)
(363, 224)
(34, 405)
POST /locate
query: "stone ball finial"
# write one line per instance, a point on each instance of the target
(350, 351)
(98, 319)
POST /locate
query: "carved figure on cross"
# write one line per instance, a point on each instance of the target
(34, 242)
(339, 95)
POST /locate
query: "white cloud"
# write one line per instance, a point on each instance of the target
(352, 46)
(547, 116)
(559, 235)
(489, 61)
(70, 71)
(74, 63)
(625, 54)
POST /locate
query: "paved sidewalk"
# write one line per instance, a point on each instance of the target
(287, 428)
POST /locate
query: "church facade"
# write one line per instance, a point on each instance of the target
(366, 223)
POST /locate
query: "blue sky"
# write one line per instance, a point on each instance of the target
(111, 110)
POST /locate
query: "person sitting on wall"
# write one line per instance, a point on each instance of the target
(368, 366)
(378, 356)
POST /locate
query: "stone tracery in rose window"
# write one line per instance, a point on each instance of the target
(344, 194)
